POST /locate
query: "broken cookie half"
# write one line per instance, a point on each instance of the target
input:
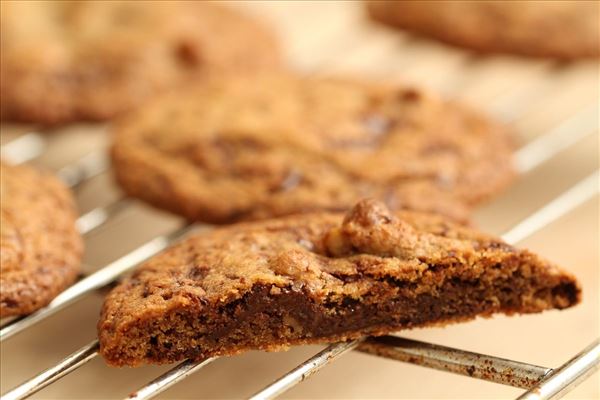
(319, 278)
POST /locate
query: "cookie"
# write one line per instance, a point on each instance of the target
(68, 61)
(241, 149)
(40, 246)
(319, 278)
(555, 29)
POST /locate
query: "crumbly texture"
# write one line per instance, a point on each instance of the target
(319, 278)
(241, 149)
(40, 248)
(555, 29)
(65, 61)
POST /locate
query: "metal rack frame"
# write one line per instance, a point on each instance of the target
(540, 382)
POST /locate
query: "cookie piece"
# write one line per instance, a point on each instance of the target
(319, 278)
(555, 29)
(237, 149)
(40, 246)
(90, 60)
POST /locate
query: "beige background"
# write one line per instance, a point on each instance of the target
(330, 37)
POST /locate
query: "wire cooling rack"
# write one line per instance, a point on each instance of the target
(345, 44)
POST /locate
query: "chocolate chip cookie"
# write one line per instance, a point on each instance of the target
(238, 149)
(556, 29)
(40, 246)
(65, 61)
(319, 278)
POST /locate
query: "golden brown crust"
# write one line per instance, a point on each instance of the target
(67, 61)
(556, 29)
(319, 278)
(238, 149)
(40, 246)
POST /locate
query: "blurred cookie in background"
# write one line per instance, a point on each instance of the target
(40, 246)
(71, 61)
(232, 149)
(555, 29)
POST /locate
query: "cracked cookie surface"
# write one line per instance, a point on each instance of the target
(253, 148)
(318, 278)
(69, 61)
(40, 247)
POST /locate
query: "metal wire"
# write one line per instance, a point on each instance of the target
(564, 135)
(24, 148)
(305, 370)
(169, 379)
(32, 144)
(583, 191)
(97, 217)
(37, 383)
(89, 166)
(481, 366)
(565, 378)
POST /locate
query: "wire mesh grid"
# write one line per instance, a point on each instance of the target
(346, 44)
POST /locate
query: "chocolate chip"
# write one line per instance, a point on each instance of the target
(409, 95)
(188, 53)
